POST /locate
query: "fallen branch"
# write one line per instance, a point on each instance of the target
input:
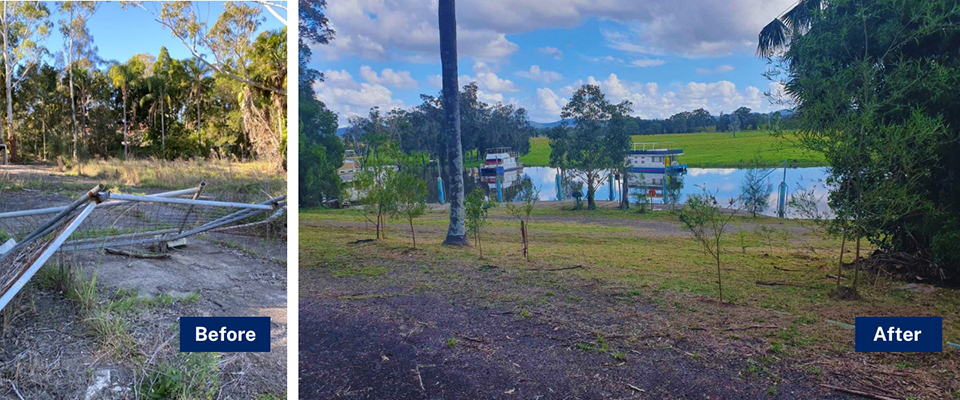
(119, 252)
(473, 339)
(762, 283)
(420, 378)
(15, 389)
(835, 277)
(784, 269)
(858, 392)
(634, 388)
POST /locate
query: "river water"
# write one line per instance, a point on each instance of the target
(723, 182)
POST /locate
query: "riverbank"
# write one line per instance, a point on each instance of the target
(708, 150)
(608, 299)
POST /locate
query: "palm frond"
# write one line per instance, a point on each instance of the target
(773, 38)
(801, 16)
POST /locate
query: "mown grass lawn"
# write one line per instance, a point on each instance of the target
(709, 149)
(585, 266)
(650, 251)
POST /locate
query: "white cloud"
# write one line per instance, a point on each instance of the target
(651, 101)
(718, 70)
(487, 97)
(549, 104)
(347, 97)
(377, 29)
(488, 81)
(535, 73)
(381, 29)
(551, 51)
(435, 81)
(388, 77)
(647, 62)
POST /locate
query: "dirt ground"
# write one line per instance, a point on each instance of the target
(50, 350)
(373, 338)
(379, 319)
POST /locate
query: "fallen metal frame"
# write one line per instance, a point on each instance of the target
(21, 262)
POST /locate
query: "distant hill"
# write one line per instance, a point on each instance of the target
(547, 125)
(783, 113)
(342, 131)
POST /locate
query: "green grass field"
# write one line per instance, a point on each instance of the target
(708, 149)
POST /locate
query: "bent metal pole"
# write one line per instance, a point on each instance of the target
(49, 250)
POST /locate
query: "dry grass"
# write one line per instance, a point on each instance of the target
(249, 177)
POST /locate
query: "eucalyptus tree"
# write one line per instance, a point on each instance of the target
(268, 66)
(228, 41)
(598, 142)
(25, 28)
(77, 44)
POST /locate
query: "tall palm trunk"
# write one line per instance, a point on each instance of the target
(199, 131)
(163, 128)
(126, 151)
(456, 233)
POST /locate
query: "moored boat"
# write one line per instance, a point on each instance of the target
(646, 158)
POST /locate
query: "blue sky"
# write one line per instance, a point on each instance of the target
(119, 34)
(665, 56)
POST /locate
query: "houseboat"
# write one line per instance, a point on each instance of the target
(646, 158)
(500, 162)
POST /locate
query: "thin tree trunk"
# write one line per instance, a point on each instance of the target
(624, 191)
(480, 246)
(413, 234)
(719, 278)
(12, 149)
(456, 232)
(523, 234)
(843, 244)
(163, 128)
(591, 192)
(73, 106)
(856, 264)
(126, 150)
(199, 132)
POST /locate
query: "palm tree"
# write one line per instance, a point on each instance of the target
(199, 83)
(123, 77)
(456, 233)
(777, 35)
(157, 85)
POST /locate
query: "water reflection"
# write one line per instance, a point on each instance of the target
(669, 188)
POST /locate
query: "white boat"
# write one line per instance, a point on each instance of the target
(500, 162)
(646, 158)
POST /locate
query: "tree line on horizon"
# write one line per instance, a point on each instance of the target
(63, 100)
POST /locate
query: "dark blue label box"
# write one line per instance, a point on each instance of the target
(899, 334)
(224, 334)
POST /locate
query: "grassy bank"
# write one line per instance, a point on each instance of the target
(608, 272)
(707, 150)
(631, 251)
